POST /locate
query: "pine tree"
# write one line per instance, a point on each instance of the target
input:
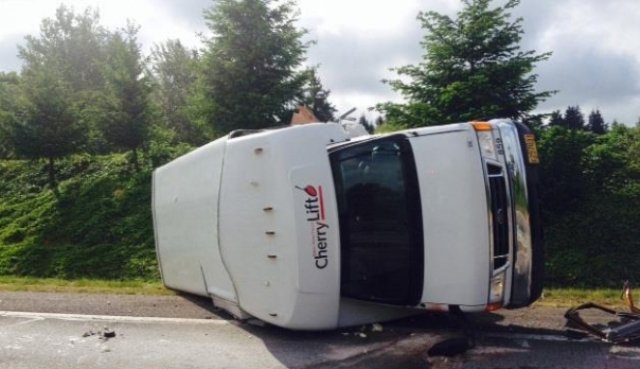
(174, 67)
(9, 92)
(316, 97)
(73, 45)
(59, 79)
(472, 68)
(596, 123)
(45, 125)
(126, 111)
(573, 118)
(556, 119)
(250, 72)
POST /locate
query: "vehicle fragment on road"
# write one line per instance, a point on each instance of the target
(626, 329)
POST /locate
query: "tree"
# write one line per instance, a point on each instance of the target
(573, 118)
(472, 68)
(591, 191)
(249, 75)
(634, 154)
(9, 92)
(45, 125)
(563, 181)
(556, 119)
(596, 123)
(126, 111)
(606, 162)
(316, 97)
(60, 67)
(73, 45)
(174, 67)
(534, 121)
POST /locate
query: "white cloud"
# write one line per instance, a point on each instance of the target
(358, 16)
(596, 56)
(22, 17)
(610, 25)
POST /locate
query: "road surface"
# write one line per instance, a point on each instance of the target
(68, 331)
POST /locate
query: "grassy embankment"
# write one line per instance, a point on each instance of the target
(98, 227)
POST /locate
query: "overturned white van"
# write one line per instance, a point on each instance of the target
(307, 228)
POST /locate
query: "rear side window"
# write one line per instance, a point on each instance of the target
(380, 221)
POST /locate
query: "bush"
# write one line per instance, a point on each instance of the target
(591, 207)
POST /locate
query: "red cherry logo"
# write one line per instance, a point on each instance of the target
(311, 191)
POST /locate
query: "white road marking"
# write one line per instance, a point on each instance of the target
(31, 320)
(107, 318)
(626, 351)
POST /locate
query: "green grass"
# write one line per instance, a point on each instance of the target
(98, 227)
(128, 287)
(553, 297)
(567, 297)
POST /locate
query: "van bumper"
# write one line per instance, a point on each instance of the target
(528, 250)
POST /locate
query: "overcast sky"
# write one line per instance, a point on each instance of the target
(595, 43)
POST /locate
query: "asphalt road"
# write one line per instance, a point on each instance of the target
(56, 331)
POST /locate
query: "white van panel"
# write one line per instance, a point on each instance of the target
(185, 211)
(269, 236)
(455, 217)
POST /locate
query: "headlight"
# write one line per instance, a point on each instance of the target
(487, 145)
(496, 289)
(486, 142)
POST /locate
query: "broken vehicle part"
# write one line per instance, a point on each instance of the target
(628, 298)
(628, 329)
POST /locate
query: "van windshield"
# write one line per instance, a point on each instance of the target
(380, 221)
